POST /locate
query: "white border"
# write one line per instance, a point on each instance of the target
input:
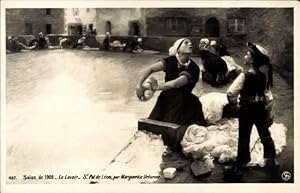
(227, 188)
(141, 4)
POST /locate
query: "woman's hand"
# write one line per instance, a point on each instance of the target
(154, 84)
(139, 91)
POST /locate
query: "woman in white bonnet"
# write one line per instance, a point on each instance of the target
(214, 67)
(176, 103)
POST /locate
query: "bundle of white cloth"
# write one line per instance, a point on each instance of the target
(231, 64)
(220, 142)
(212, 106)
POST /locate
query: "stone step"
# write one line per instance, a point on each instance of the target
(200, 168)
(167, 130)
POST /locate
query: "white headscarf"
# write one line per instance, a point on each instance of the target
(213, 43)
(204, 40)
(173, 50)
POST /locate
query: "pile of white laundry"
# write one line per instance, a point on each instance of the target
(220, 140)
(212, 106)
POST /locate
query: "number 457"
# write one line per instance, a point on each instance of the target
(12, 177)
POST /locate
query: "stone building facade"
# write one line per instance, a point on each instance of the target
(117, 21)
(121, 21)
(79, 21)
(273, 28)
(186, 22)
(33, 21)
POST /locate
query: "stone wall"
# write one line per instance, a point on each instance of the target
(196, 25)
(273, 29)
(120, 19)
(90, 40)
(16, 20)
(84, 17)
(195, 18)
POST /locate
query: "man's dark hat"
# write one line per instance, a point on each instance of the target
(260, 55)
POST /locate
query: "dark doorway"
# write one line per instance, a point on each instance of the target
(212, 27)
(75, 29)
(80, 29)
(48, 28)
(90, 27)
(48, 11)
(108, 27)
(134, 28)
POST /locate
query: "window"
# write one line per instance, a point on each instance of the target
(48, 28)
(176, 26)
(48, 11)
(236, 25)
(108, 27)
(28, 29)
(171, 24)
(75, 11)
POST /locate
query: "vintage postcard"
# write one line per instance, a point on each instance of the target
(167, 96)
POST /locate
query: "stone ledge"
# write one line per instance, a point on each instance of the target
(167, 130)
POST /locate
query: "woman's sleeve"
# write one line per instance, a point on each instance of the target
(192, 73)
(187, 74)
(166, 62)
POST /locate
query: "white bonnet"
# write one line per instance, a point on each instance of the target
(204, 40)
(174, 49)
(213, 43)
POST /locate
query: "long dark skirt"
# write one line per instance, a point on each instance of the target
(178, 107)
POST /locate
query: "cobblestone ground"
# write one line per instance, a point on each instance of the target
(71, 111)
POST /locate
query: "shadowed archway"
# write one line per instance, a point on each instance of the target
(212, 27)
